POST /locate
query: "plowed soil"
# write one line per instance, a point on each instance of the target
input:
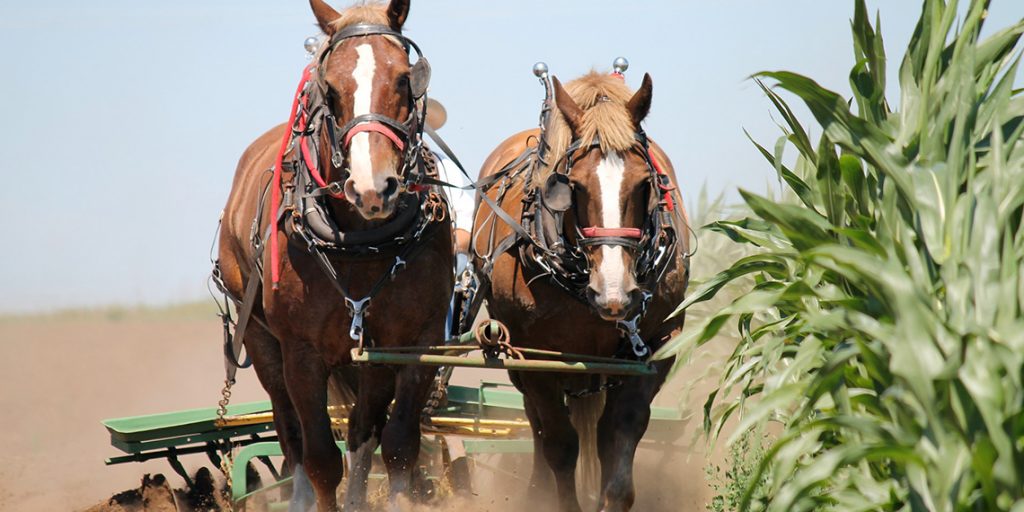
(62, 374)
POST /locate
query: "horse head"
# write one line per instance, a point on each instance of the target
(367, 81)
(608, 178)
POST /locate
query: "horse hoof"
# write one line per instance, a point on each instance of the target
(400, 503)
(303, 496)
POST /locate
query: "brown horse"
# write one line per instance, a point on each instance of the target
(354, 224)
(595, 254)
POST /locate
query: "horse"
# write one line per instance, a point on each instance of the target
(353, 244)
(577, 240)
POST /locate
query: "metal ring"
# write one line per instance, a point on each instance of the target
(491, 333)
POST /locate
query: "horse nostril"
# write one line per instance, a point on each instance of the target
(615, 308)
(390, 188)
(353, 196)
(634, 297)
(374, 209)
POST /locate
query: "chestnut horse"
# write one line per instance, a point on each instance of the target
(593, 267)
(354, 224)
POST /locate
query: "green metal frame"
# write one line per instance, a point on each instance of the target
(168, 435)
(370, 356)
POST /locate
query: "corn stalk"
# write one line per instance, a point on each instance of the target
(883, 328)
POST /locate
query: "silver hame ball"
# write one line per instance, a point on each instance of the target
(620, 65)
(540, 69)
(311, 43)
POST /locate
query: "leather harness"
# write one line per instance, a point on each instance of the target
(540, 235)
(304, 210)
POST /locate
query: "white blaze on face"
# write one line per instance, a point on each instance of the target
(612, 268)
(359, 148)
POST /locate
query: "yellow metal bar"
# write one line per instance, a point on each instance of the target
(470, 426)
(449, 421)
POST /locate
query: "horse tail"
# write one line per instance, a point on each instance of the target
(342, 387)
(585, 411)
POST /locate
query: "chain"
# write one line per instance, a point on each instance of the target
(438, 394)
(226, 461)
(608, 384)
(222, 404)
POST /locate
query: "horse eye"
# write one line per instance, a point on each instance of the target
(403, 80)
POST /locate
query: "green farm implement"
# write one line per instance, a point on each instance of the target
(475, 422)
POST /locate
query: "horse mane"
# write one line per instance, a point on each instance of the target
(603, 98)
(371, 12)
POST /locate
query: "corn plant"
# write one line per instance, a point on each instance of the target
(883, 328)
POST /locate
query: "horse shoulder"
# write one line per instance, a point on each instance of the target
(507, 151)
(250, 176)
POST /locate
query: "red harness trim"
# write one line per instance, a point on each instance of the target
(375, 127)
(594, 232)
(666, 190)
(275, 188)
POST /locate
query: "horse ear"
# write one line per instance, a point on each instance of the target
(398, 11)
(325, 14)
(572, 112)
(640, 104)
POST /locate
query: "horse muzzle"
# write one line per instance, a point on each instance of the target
(374, 202)
(614, 306)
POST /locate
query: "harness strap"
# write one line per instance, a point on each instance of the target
(663, 182)
(374, 127)
(357, 307)
(629, 243)
(362, 29)
(275, 192)
(233, 345)
(596, 232)
(451, 156)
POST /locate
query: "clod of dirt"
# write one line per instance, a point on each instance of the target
(156, 495)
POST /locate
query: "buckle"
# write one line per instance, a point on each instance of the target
(631, 332)
(357, 309)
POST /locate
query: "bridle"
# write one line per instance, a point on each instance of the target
(406, 135)
(564, 259)
(312, 116)
(311, 224)
(540, 232)
(651, 244)
(302, 210)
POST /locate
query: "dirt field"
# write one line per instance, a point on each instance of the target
(62, 374)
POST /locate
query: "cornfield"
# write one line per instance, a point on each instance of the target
(881, 327)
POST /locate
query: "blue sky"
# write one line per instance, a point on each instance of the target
(123, 121)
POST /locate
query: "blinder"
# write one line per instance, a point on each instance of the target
(557, 193)
(419, 77)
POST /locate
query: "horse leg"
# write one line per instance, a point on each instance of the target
(559, 442)
(366, 421)
(400, 444)
(626, 415)
(306, 376)
(541, 483)
(265, 351)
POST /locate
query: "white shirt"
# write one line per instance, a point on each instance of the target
(462, 201)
